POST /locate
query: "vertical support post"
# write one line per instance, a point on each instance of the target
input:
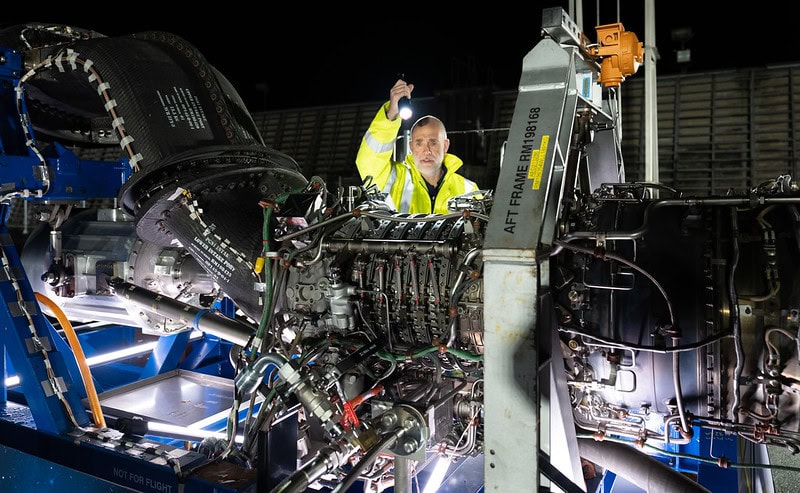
(651, 169)
(526, 400)
(512, 410)
(523, 221)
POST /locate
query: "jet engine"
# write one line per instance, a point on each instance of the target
(562, 318)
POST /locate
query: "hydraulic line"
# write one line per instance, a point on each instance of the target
(75, 344)
(687, 202)
(387, 440)
(735, 325)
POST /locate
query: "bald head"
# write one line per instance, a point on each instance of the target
(431, 122)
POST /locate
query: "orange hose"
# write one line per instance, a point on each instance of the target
(75, 344)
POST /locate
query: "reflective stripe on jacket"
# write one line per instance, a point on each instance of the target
(401, 180)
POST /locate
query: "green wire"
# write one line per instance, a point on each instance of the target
(699, 458)
(262, 325)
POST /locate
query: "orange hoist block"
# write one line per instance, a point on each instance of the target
(621, 51)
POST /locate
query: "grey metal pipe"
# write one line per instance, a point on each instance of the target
(204, 320)
(640, 469)
(402, 475)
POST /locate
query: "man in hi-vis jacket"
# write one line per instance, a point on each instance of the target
(428, 177)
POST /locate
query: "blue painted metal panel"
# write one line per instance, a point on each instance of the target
(209, 355)
(718, 444)
(70, 178)
(167, 354)
(23, 473)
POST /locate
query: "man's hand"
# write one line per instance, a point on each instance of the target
(399, 89)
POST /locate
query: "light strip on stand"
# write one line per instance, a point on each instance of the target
(157, 428)
(121, 354)
(112, 356)
(437, 476)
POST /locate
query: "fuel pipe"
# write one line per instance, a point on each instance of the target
(683, 202)
(201, 319)
(327, 459)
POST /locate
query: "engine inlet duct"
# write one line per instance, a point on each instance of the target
(200, 167)
(209, 204)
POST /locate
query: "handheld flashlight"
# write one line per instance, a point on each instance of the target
(404, 106)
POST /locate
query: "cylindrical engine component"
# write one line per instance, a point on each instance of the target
(642, 470)
(204, 320)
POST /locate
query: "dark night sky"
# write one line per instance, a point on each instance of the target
(325, 55)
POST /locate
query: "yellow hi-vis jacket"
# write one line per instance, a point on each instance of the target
(402, 181)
